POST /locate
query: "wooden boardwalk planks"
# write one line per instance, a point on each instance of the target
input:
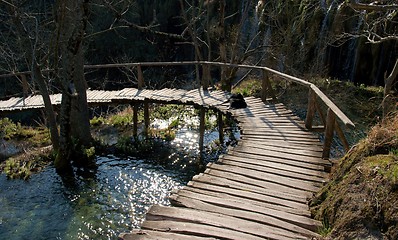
(258, 190)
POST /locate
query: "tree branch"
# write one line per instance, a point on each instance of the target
(371, 7)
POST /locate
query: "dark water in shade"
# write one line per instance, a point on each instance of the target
(114, 200)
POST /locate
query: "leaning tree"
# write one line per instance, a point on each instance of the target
(43, 36)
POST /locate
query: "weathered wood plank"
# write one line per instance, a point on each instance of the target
(275, 159)
(292, 156)
(283, 144)
(292, 172)
(218, 220)
(228, 183)
(274, 178)
(270, 199)
(287, 140)
(195, 229)
(259, 182)
(293, 152)
(289, 215)
(140, 234)
(255, 163)
(239, 213)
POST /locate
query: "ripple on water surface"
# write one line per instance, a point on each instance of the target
(113, 201)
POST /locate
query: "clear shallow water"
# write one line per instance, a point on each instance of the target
(113, 200)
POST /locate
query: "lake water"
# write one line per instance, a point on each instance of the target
(113, 200)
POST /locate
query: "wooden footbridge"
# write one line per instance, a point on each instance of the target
(260, 188)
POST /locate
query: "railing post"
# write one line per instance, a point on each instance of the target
(321, 115)
(135, 119)
(146, 117)
(266, 87)
(329, 132)
(140, 77)
(206, 76)
(201, 130)
(342, 137)
(25, 87)
(220, 127)
(310, 108)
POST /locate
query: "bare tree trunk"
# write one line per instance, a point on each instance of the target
(62, 160)
(50, 114)
(74, 118)
(389, 83)
(230, 73)
(191, 27)
(225, 85)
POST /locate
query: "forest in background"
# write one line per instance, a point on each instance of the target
(328, 38)
(353, 41)
(54, 41)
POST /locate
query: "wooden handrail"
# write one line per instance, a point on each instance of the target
(347, 122)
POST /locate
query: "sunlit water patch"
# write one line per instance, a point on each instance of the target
(114, 201)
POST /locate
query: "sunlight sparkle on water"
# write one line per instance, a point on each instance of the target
(114, 201)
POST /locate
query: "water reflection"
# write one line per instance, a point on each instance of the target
(102, 207)
(112, 200)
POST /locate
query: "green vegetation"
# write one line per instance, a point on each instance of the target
(25, 137)
(361, 198)
(36, 137)
(14, 169)
(120, 119)
(249, 87)
(120, 124)
(362, 104)
(23, 165)
(136, 146)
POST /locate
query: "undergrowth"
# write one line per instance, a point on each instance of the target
(35, 136)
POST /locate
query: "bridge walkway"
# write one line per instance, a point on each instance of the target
(258, 190)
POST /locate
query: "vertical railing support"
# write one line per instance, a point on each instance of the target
(329, 132)
(140, 77)
(220, 128)
(320, 113)
(342, 137)
(266, 87)
(310, 109)
(201, 130)
(146, 117)
(206, 76)
(197, 71)
(135, 119)
(25, 87)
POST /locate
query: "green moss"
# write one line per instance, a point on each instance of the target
(8, 128)
(36, 137)
(174, 123)
(97, 121)
(392, 173)
(119, 120)
(164, 134)
(326, 229)
(23, 167)
(90, 152)
(250, 87)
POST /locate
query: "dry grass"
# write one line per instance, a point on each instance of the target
(383, 138)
